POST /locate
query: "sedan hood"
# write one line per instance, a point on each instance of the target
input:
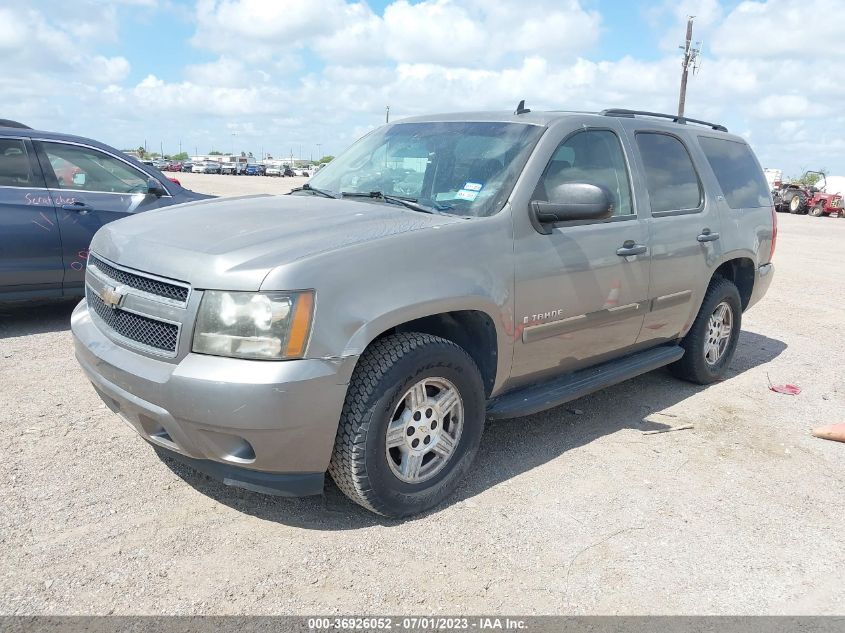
(233, 243)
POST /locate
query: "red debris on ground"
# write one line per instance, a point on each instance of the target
(792, 390)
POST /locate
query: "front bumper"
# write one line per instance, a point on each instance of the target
(762, 281)
(268, 426)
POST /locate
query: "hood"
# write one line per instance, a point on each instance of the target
(233, 243)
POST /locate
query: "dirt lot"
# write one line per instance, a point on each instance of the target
(570, 511)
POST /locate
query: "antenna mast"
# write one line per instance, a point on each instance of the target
(691, 54)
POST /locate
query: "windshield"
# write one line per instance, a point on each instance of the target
(465, 168)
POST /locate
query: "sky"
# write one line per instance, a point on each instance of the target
(311, 76)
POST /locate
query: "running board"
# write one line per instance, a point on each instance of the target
(546, 395)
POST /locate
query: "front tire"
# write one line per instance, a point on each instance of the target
(711, 342)
(817, 211)
(411, 424)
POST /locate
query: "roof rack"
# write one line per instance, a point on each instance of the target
(673, 117)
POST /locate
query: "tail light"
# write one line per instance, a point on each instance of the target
(774, 233)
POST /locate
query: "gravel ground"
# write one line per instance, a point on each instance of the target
(571, 511)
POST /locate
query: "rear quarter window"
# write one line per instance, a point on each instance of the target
(740, 177)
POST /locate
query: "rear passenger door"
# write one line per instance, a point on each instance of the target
(685, 232)
(90, 188)
(30, 243)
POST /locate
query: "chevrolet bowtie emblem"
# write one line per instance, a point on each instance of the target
(112, 297)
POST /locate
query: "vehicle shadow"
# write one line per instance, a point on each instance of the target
(35, 318)
(508, 448)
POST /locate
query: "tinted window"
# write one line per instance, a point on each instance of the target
(670, 176)
(82, 168)
(594, 157)
(738, 173)
(15, 169)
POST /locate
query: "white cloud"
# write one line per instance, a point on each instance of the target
(322, 71)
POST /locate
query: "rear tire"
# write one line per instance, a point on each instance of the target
(701, 362)
(398, 452)
(796, 203)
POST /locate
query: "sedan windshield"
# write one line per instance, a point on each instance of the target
(466, 168)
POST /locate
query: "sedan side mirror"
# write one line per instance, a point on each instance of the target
(571, 202)
(155, 188)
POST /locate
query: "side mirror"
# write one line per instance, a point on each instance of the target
(571, 202)
(155, 188)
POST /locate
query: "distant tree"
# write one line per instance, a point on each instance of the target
(326, 159)
(248, 155)
(180, 156)
(809, 179)
(243, 154)
(141, 151)
(214, 152)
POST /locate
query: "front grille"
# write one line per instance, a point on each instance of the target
(141, 329)
(144, 284)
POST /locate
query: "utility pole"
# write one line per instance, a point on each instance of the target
(387, 114)
(690, 56)
(319, 156)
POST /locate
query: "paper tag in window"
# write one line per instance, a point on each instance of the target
(464, 194)
(473, 186)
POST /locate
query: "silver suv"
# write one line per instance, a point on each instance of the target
(444, 270)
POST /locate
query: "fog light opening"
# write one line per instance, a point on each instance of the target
(242, 452)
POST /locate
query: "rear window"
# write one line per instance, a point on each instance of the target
(671, 179)
(743, 183)
(14, 164)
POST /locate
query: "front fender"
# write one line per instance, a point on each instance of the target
(367, 289)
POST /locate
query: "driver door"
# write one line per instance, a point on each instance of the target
(582, 287)
(90, 188)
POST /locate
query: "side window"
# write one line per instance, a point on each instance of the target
(82, 168)
(671, 179)
(594, 157)
(15, 168)
(739, 175)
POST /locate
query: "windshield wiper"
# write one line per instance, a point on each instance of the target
(410, 203)
(319, 192)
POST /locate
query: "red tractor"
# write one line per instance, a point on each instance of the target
(797, 197)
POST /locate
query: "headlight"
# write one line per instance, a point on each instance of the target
(259, 325)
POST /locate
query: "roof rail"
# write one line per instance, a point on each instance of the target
(673, 117)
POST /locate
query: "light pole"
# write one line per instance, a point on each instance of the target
(234, 134)
(319, 156)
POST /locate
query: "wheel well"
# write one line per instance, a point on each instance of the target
(741, 272)
(474, 331)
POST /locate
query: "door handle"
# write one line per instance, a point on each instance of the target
(707, 236)
(630, 248)
(79, 207)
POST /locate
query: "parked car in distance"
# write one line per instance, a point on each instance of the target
(288, 171)
(274, 170)
(56, 191)
(206, 167)
(232, 168)
(174, 165)
(254, 169)
(187, 166)
(564, 252)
